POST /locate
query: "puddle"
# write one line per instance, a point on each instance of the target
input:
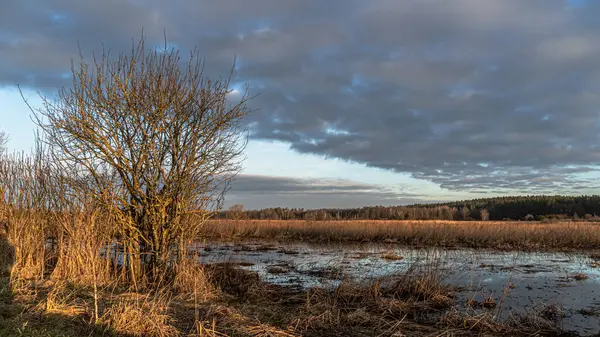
(519, 282)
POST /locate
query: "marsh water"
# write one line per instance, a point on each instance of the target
(519, 282)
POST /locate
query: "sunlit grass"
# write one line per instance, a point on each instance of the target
(427, 233)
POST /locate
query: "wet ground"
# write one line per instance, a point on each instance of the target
(516, 282)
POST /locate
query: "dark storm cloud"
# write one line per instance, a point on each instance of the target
(469, 94)
(255, 191)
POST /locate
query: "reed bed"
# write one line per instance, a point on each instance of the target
(519, 235)
(223, 300)
(60, 277)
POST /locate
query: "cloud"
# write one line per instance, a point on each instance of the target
(470, 94)
(254, 191)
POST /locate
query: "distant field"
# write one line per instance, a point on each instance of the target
(520, 235)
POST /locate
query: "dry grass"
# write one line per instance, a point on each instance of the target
(423, 287)
(82, 294)
(485, 324)
(476, 234)
(191, 282)
(391, 256)
(415, 303)
(137, 315)
(71, 288)
(393, 303)
(265, 330)
(64, 301)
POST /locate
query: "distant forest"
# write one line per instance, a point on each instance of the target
(529, 208)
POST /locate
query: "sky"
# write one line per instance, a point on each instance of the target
(379, 102)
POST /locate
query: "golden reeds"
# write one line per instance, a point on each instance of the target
(440, 233)
(141, 316)
(62, 254)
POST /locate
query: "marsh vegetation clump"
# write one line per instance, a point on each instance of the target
(579, 276)
(391, 256)
(140, 316)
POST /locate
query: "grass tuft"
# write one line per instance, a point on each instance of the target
(141, 315)
(391, 256)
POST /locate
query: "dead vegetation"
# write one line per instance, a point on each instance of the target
(77, 283)
(486, 324)
(579, 276)
(504, 235)
(68, 276)
(391, 256)
(223, 300)
(140, 315)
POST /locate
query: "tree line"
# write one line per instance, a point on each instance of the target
(537, 208)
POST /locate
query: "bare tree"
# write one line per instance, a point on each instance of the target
(484, 214)
(152, 140)
(236, 211)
